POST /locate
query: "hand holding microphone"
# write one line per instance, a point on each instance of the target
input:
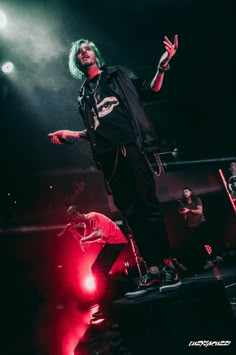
(65, 229)
(63, 136)
(69, 226)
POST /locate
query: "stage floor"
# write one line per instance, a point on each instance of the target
(105, 339)
(35, 326)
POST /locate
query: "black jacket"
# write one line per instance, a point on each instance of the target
(132, 91)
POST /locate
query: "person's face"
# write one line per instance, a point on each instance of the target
(86, 56)
(75, 217)
(187, 193)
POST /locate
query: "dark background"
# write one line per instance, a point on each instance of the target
(39, 180)
(198, 107)
(196, 114)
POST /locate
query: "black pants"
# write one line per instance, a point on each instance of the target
(133, 188)
(199, 236)
(100, 270)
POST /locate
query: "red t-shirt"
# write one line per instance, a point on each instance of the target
(110, 231)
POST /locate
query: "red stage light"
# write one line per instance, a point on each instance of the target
(89, 284)
(208, 249)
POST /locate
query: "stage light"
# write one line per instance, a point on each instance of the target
(8, 68)
(89, 284)
(3, 19)
(208, 249)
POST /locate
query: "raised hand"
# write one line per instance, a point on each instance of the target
(171, 49)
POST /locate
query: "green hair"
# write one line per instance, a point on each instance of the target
(73, 61)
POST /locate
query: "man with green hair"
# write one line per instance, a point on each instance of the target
(110, 103)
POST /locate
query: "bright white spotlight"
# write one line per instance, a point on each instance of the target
(3, 19)
(89, 284)
(8, 68)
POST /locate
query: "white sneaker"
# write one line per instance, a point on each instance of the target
(147, 283)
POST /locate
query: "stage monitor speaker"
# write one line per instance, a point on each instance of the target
(167, 323)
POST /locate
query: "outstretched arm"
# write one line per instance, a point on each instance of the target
(96, 235)
(64, 134)
(163, 65)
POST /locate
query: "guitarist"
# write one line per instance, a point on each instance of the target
(98, 228)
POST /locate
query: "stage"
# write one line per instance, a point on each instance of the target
(46, 300)
(204, 309)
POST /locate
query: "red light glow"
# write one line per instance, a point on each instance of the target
(89, 284)
(208, 249)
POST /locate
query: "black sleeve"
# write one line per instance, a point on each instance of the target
(198, 202)
(145, 92)
(143, 87)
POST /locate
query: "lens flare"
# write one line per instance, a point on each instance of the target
(8, 68)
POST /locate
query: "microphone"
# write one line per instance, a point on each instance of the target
(64, 230)
(68, 226)
(66, 140)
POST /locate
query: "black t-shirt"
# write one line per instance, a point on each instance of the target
(194, 220)
(112, 125)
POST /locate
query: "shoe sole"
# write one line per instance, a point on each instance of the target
(141, 292)
(136, 294)
(170, 287)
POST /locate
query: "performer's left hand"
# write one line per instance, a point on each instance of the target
(171, 49)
